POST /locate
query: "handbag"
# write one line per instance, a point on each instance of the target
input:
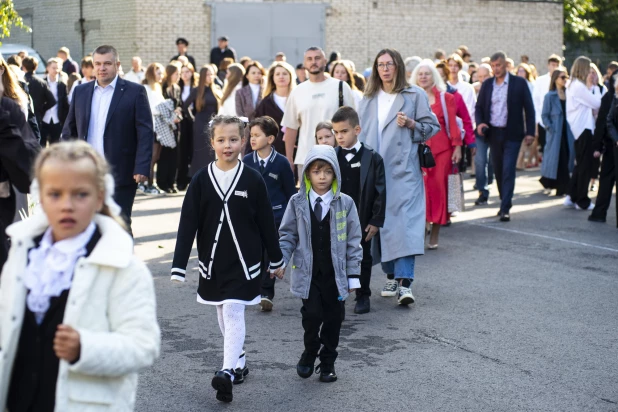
(455, 191)
(425, 157)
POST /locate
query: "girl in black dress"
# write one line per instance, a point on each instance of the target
(227, 205)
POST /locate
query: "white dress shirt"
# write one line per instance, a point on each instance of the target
(225, 179)
(541, 88)
(101, 99)
(581, 104)
(77, 83)
(326, 199)
(51, 115)
(469, 96)
(255, 93)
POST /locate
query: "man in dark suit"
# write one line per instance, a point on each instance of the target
(68, 64)
(500, 108)
(182, 44)
(217, 54)
(114, 116)
(42, 98)
(53, 119)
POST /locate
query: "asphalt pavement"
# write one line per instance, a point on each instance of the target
(518, 316)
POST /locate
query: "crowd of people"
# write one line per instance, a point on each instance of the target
(315, 168)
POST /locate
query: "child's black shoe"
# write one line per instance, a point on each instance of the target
(222, 383)
(239, 375)
(304, 368)
(327, 372)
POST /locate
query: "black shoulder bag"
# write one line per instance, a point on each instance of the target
(425, 157)
(340, 93)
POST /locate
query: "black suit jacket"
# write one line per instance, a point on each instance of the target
(372, 205)
(216, 55)
(128, 136)
(42, 98)
(63, 99)
(519, 100)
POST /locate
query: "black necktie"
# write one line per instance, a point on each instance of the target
(317, 209)
(262, 166)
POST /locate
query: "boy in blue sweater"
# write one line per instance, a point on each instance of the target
(279, 178)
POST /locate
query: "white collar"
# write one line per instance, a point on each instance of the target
(254, 86)
(268, 157)
(70, 245)
(225, 172)
(326, 197)
(112, 84)
(357, 146)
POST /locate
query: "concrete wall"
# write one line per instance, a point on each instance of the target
(356, 28)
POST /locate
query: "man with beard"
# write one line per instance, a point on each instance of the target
(309, 103)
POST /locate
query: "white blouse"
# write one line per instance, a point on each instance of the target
(581, 104)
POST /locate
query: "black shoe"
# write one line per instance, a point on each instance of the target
(505, 217)
(304, 368)
(482, 200)
(222, 382)
(593, 218)
(239, 375)
(327, 372)
(362, 305)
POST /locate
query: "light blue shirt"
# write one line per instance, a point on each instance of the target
(101, 100)
(499, 110)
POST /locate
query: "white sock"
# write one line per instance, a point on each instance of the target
(233, 316)
(241, 361)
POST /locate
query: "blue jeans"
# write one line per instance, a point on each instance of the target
(483, 166)
(403, 267)
(504, 154)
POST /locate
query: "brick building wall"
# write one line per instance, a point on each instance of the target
(356, 28)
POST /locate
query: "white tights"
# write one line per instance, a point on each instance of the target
(231, 318)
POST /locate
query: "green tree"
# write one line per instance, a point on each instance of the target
(586, 20)
(9, 18)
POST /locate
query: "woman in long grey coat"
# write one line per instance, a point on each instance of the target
(395, 117)
(559, 152)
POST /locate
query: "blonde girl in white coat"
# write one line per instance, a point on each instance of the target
(77, 309)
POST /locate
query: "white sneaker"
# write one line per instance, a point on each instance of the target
(390, 288)
(405, 296)
(568, 202)
(589, 207)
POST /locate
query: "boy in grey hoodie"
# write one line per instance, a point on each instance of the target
(322, 229)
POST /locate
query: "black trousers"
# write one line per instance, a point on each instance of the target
(125, 196)
(322, 315)
(167, 167)
(50, 132)
(366, 264)
(583, 171)
(609, 177)
(542, 137)
(268, 284)
(185, 152)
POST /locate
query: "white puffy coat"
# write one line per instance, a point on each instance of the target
(111, 304)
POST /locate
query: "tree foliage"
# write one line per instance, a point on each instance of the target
(586, 20)
(9, 18)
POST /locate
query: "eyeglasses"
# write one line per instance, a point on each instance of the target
(384, 66)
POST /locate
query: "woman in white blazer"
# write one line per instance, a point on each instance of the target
(109, 301)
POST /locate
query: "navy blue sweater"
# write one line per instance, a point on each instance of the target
(279, 180)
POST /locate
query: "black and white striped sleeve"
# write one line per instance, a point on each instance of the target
(187, 228)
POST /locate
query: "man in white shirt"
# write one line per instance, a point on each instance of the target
(455, 65)
(87, 75)
(541, 88)
(309, 103)
(137, 72)
(114, 116)
(53, 119)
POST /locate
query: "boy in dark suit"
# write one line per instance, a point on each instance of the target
(362, 178)
(279, 178)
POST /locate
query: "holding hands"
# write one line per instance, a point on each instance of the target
(278, 273)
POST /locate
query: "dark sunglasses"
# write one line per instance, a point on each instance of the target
(564, 77)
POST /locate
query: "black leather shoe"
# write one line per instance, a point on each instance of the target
(593, 218)
(239, 375)
(505, 217)
(222, 382)
(304, 368)
(482, 200)
(362, 305)
(327, 372)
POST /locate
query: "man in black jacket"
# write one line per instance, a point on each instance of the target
(217, 54)
(362, 178)
(42, 98)
(182, 44)
(53, 119)
(18, 149)
(499, 114)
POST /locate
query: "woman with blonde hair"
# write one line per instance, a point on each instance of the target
(445, 146)
(152, 83)
(340, 70)
(202, 104)
(233, 83)
(581, 106)
(280, 81)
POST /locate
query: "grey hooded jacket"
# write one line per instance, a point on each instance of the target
(345, 232)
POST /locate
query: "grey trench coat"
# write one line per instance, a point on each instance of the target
(403, 233)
